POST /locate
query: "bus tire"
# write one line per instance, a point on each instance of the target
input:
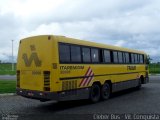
(105, 91)
(95, 93)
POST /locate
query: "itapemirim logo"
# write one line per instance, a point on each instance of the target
(33, 57)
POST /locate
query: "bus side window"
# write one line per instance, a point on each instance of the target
(107, 56)
(64, 53)
(127, 58)
(86, 54)
(115, 57)
(101, 56)
(120, 58)
(132, 58)
(124, 57)
(111, 52)
(95, 55)
(136, 58)
(141, 59)
(75, 53)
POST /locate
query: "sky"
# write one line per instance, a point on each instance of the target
(127, 23)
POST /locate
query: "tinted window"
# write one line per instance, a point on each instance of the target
(115, 57)
(101, 59)
(124, 57)
(86, 54)
(127, 57)
(136, 58)
(94, 55)
(141, 59)
(107, 56)
(120, 58)
(132, 58)
(64, 53)
(75, 54)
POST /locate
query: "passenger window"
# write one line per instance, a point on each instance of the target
(141, 59)
(75, 53)
(132, 58)
(107, 56)
(115, 57)
(95, 55)
(86, 54)
(136, 58)
(127, 57)
(64, 53)
(120, 58)
(124, 57)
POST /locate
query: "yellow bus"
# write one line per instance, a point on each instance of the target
(60, 68)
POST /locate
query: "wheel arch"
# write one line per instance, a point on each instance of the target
(106, 81)
(142, 79)
(110, 83)
(98, 83)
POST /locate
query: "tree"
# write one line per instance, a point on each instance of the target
(148, 60)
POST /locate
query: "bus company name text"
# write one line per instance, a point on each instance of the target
(131, 67)
(71, 67)
(68, 69)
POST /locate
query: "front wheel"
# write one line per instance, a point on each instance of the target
(105, 91)
(95, 93)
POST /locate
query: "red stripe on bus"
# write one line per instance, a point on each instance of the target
(84, 76)
(90, 79)
(89, 74)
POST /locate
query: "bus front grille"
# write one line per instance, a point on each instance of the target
(69, 85)
(46, 75)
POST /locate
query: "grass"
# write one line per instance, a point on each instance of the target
(154, 68)
(7, 86)
(6, 69)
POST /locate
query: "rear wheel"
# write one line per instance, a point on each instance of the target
(95, 93)
(105, 91)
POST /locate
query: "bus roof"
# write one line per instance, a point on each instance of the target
(94, 44)
(88, 43)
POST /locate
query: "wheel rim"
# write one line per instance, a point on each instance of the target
(95, 93)
(105, 91)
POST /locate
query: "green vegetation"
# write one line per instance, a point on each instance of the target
(154, 68)
(7, 86)
(6, 69)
